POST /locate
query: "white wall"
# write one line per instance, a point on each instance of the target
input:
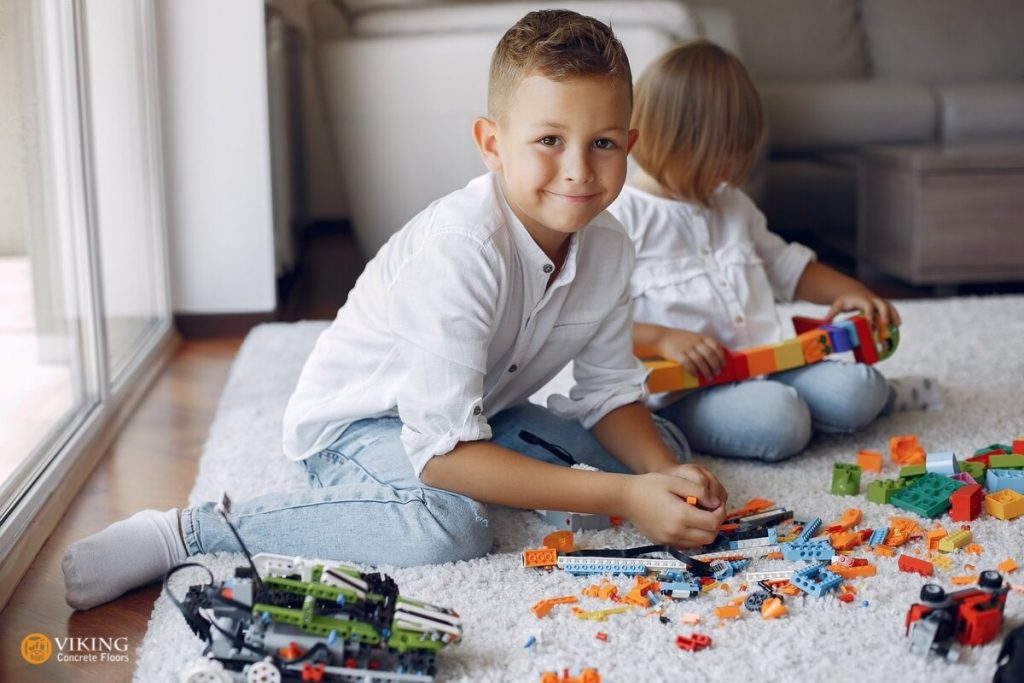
(13, 212)
(217, 156)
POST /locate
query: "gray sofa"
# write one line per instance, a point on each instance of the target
(839, 75)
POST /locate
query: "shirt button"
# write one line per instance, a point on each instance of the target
(513, 367)
(477, 410)
(705, 250)
(548, 267)
(738, 318)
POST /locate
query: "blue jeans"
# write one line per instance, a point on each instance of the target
(365, 504)
(773, 419)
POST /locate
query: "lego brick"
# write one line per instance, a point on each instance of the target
(869, 461)
(760, 360)
(1005, 504)
(789, 354)
(665, 375)
(911, 472)
(740, 368)
(928, 496)
(816, 582)
(814, 345)
(816, 550)
(994, 449)
(941, 463)
(810, 528)
(911, 564)
(934, 536)
(845, 479)
(880, 491)
(803, 323)
(955, 540)
(1006, 462)
(905, 450)
(877, 536)
(865, 351)
(963, 478)
(1018, 445)
(851, 332)
(997, 480)
(974, 468)
(966, 503)
(838, 337)
(853, 572)
(540, 557)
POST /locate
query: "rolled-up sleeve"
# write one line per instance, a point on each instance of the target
(441, 309)
(784, 262)
(606, 372)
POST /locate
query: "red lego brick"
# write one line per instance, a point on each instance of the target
(913, 565)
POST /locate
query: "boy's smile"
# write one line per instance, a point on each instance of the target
(560, 152)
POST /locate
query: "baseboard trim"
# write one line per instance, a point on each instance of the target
(209, 325)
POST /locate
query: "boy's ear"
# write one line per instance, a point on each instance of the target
(631, 139)
(485, 135)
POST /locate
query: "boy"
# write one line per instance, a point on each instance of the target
(408, 413)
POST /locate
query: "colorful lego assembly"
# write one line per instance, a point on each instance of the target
(298, 619)
(815, 340)
(929, 484)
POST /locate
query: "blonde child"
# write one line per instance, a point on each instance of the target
(407, 415)
(709, 272)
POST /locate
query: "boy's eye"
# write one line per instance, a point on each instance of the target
(549, 140)
(604, 143)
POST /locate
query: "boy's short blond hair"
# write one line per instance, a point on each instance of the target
(700, 120)
(559, 45)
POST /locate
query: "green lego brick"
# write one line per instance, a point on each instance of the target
(845, 479)
(975, 469)
(1006, 462)
(928, 495)
(911, 472)
(881, 490)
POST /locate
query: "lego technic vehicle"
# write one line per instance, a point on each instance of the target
(300, 619)
(942, 622)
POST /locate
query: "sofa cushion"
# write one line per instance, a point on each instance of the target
(944, 41)
(797, 40)
(671, 17)
(982, 111)
(846, 114)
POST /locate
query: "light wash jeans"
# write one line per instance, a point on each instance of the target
(364, 503)
(773, 419)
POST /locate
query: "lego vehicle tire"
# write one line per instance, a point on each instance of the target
(205, 671)
(262, 672)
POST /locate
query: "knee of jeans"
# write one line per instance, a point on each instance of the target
(864, 398)
(789, 431)
(462, 530)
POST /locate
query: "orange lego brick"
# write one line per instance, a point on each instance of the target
(728, 612)
(814, 345)
(883, 551)
(973, 549)
(846, 597)
(933, 537)
(844, 540)
(540, 557)
(963, 580)
(1007, 566)
(849, 518)
(853, 572)
(666, 375)
(914, 565)
(869, 461)
(760, 360)
(542, 607)
(691, 500)
(750, 507)
(905, 450)
(559, 540)
(772, 608)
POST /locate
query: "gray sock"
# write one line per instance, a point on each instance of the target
(125, 555)
(915, 392)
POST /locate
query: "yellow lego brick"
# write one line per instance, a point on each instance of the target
(957, 539)
(942, 562)
(666, 375)
(789, 354)
(1005, 504)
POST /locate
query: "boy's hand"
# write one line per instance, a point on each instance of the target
(656, 505)
(700, 354)
(875, 307)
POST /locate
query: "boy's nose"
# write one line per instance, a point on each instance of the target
(576, 167)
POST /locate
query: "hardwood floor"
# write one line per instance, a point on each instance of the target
(151, 464)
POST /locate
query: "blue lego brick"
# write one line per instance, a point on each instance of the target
(928, 495)
(816, 583)
(626, 567)
(809, 552)
(851, 332)
(941, 463)
(997, 480)
(878, 536)
(839, 338)
(680, 589)
(809, 530)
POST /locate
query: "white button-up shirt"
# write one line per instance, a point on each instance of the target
(453, 322)
(716, 271)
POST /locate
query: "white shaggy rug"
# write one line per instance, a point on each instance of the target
(972, 345)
